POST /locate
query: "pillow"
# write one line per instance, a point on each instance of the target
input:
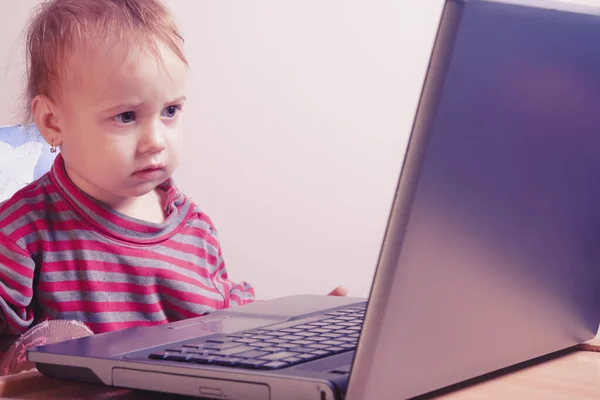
(24, 157)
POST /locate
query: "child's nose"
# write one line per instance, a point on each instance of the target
(152, 139)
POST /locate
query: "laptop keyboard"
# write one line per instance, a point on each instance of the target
(272, 347)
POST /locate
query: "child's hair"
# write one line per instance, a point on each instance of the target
(62, 26)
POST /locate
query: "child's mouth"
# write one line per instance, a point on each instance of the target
(150, 173)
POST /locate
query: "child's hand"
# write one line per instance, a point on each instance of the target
(339, 291)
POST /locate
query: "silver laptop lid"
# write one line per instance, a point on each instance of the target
(492, 252)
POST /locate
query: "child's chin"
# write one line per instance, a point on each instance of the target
(141, 189)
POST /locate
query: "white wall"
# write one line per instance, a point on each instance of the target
(297, 122)
(13, 18)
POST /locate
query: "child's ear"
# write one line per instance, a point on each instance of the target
(46, 119)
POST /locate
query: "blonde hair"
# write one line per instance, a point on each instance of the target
(62, 26)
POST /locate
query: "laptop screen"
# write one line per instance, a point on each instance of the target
(491, 255)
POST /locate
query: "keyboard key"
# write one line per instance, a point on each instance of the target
(331, 335)
(252, 354)
(158, 356)
(318, 323)
(176, 356)
(321, 353)
(275, 333)
(260, 337)
(293, 360)
(194, 345)
(251, 363)
(245, 340)
(336, 349)
(320, 330)
(287, 346)
(291, 337)
(271, 349)
(303, 350)
(275, 364)
(234, 350)
(200, 351)
(260, 344)
(317, 346)
(302, 342)
(292, 330)
(200, 359)
(306, 334)
(226, 361)
(279, 356)
(276, 341)
(239, 335)
(174, 350)
(306, 356)
(304, 327)
(332, 342)
(221, 340)
(220, 346)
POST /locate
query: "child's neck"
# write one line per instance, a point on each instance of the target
(149, 207)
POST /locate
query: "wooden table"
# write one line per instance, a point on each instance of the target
(573, 375)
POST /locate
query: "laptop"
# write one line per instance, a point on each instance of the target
(491, 255)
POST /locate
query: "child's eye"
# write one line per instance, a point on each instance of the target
(125, 118)
(171, 111)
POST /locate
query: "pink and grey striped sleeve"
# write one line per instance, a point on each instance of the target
(16, 287)
(235, 293)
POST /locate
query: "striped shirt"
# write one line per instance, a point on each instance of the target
(64, 255)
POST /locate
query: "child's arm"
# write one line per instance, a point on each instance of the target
(16, 287)
(236, 294)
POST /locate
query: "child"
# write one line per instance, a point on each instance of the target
(105, 237)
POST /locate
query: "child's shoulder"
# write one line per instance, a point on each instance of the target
(199, 219)
(26, 204)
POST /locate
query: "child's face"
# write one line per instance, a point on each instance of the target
(120, 122)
